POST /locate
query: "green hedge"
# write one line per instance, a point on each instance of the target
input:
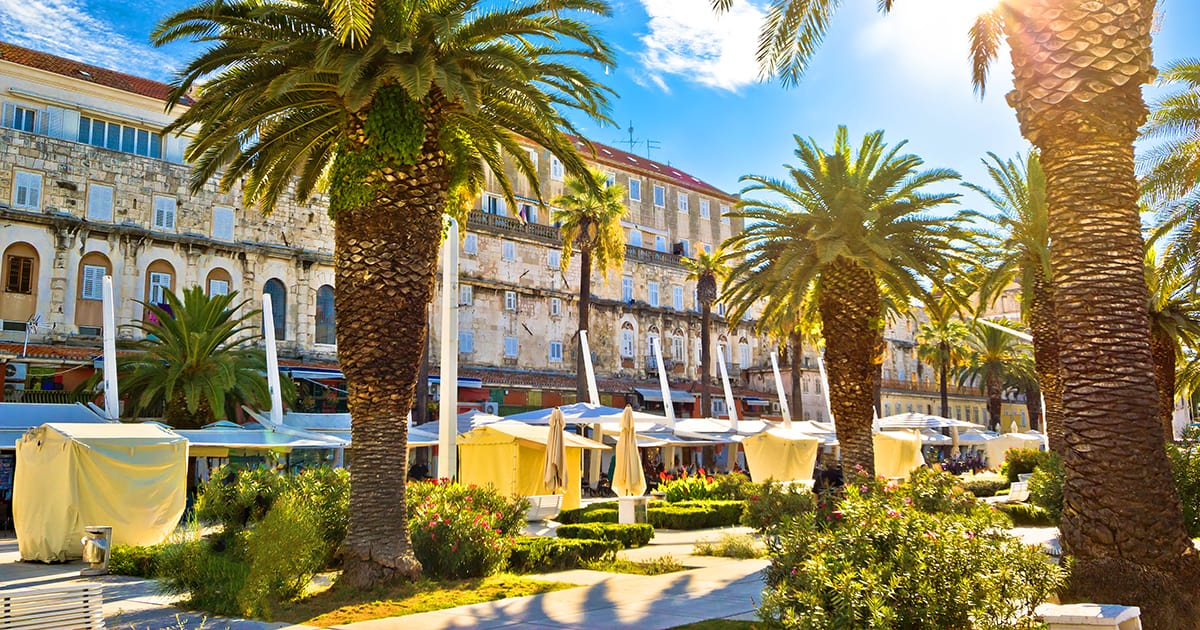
(585, 514)
(631, 535)
(1026, 515)
(535, 554)
(696, 514)
(985, 485)
(134, 561)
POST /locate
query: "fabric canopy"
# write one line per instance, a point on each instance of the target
(912, 420)
(554, 473)
(510, 455)
(655, 395)
(587, 413)
(897, 453)
(997, 448)
(131, 477)
(781, 454)
(629, 480)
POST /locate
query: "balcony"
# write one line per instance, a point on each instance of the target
(512, 225)
(641, 254)
(46, 396)
(652, 364)
(931, 388)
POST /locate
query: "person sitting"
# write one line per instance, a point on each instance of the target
(418, 471)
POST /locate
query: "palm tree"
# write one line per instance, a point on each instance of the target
(399, 109)
(1172, 168)
(994, 357)
(848, 224)
(1017, 249)
(707, 269)
(1078, 68)
(589, 217)
(1174, 325)
(942, 344)
(196, 360)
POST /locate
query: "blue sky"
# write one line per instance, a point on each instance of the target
(687, 79)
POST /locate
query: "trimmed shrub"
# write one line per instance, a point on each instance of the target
(1022, 461)
(629, 535)
(905, 556)
(1046, 487)
(985, 485)
(696, 514)
(460, 531)
(1026, 515)
(134, 561)
(535, 554)
(579, 515)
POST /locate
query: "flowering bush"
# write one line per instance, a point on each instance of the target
(730, 487)
(461, 531)
(916, 555)
(772, 506)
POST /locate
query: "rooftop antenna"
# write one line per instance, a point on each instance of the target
(650, 146)
(631, 142)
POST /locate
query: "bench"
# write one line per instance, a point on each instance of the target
(543, 507)
(1018, 492)
(78, 606)
(1090, 616)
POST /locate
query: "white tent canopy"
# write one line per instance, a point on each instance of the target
(913, 420)
(16, 418)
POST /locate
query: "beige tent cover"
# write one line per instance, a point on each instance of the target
(131, 477)
(897, 453)
(510, 457)
(781, 454)
(998, 447)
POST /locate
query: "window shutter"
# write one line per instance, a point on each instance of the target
(174, 148)
(93, 280)
(100, 202)
(10, 112)
(222, 223)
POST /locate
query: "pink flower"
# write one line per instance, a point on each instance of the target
(908, 500)
(931, 535)
(838, 514)
(862, 488)
(893, 513)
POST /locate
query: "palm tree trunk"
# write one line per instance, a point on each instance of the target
(1044, 326)
(849, 304)
(1078, 67)
(1162, 347)
(1033, 406)
(944, 377)
(585, 303)
(386, 258)
(995, 396)
(705, 358)
(796, 344)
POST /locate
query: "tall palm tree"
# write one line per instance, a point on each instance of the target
(197, 358)
(1174, 325)
(707, 269)
(589, 216)
(994, 357)
(398, 109)
(1078, 68)
(1172, 168)
(942, 344)
(1016, 248)
(848, 224)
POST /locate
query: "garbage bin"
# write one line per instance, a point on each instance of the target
(631, 510)
(96, 543)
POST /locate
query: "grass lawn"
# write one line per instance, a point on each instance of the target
(718, 624)
(339, 605)
(656, 566)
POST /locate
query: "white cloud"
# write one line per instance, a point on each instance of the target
(687, 39)
(68, 29)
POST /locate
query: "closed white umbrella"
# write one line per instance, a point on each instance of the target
(628, 478)
(554, 472)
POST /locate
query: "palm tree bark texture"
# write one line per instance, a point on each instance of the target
(585, 301)
(796, 345)
(706, 291)
(1162, 348)
(849, 303)
(1078, 70)
(386, 258)
(1043, 326)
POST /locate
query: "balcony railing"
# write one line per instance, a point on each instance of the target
(641, 254)
(514, 225)
(47, 396)
(933, 388)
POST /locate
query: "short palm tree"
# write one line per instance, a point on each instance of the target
(398, 109)
(1015, 247)
(589, 217)
(197, 356)
(849, 224)
(941, 343)
(994, 357)
(1174, 325)
(707, 269)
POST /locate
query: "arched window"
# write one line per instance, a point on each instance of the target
(160, 278)
(628, 346)
(274, 289)
(21, 269)
(218, 282)
(326, 318)
(743, 353)
(90, 294)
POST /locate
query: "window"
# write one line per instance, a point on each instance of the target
(720, 309)
(556, 352)
(466, 342)
(20, 275)
(121, 138)
(627, 289)
(218, 287)
(554, 259)
(222, 223)
(627, 343)
(556, 168)
(511, 349)
(706, 247)
(528, 212)
(610, 179)
(466, 295)
(652, 287)
(326, 316)
(681, 201)
(20, 118)
(99, 202)
(660, 197)
(685, 249)
(278, 294)
(27, 191)
(887, 409)
(555, 307)
(471, 244)
(160, 283)
(677, 348)
(164, 213)
(508, 250)
(533, 158)
(705, 211)
(695, 299)
(510, 300)
(635, 237)
(92, 282)
(744, 351)
(678, 299)
(494, 204)
(660, 243)
(725, 214)
(635, 189)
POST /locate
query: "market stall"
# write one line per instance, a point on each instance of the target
(781, 455)
(897, 453)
